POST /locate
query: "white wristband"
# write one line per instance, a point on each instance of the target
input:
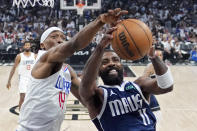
(165, 81)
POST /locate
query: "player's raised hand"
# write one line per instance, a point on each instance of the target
(107, 37)
(151, 53)
(113, 16)
(8, 85)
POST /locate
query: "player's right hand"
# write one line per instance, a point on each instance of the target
(8, 85)
(112, 16)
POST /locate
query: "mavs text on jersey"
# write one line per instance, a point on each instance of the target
(124, 109)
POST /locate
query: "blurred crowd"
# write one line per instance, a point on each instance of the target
(173, 23)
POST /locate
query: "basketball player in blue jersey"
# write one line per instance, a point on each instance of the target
(51, 81)
(24, 61)
(120, 105)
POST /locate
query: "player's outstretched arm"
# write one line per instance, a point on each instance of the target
(85, 36)
(88, 89)
(163, 82)
(17, 61)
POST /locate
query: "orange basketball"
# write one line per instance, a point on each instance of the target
(132, 39)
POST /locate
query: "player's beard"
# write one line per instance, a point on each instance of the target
(111, 79)
(27, 50)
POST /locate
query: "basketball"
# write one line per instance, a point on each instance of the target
(132, 40)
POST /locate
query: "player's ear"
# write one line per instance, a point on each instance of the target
(42, 46)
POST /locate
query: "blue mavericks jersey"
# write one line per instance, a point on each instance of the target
(154, 105)
(124, 109)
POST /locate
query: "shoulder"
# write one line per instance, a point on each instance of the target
(17, 59)
(18, 56)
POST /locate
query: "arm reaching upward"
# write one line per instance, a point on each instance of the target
(79, 41)
(59, 50)
(85, 36)
(92, 96)
(163, 82)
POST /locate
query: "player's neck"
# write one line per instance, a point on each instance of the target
(27, 53)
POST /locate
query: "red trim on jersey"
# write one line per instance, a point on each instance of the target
(65, 68)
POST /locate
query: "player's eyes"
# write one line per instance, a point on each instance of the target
(116, 59)
(104, 62)
(53, 37)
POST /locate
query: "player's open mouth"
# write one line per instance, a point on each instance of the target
(113, 72)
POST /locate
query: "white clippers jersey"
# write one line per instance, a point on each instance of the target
(45, 102)
(26, 64)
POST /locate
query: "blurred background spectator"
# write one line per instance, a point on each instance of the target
(193, 55)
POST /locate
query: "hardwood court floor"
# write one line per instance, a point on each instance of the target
(179, 108)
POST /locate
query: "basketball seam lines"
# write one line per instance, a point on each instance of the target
(119, 46)
(133, 40)
(143, 30)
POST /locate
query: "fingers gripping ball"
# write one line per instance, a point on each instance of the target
(132, 40)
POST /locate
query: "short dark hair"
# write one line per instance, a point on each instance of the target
(27, 42)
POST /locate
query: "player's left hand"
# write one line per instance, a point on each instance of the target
(151, 53)
(112, 16)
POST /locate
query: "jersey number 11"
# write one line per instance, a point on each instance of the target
(144, 116)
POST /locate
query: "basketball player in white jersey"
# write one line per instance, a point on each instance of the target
(51, 81)
(24, 61)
